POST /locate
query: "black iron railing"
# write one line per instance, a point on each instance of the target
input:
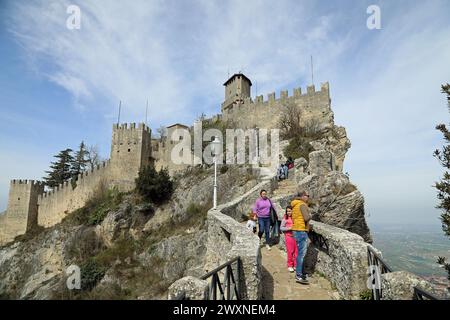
(378, 267)
(228, 288)
(375, 261)
(318, 240)
(420, 294)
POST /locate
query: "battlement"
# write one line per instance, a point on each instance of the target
(83, 178)
(34, 183)
(296, 94)
(131, 126)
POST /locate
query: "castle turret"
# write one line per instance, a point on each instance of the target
(131, 150)
(237, 88)
(22, 210)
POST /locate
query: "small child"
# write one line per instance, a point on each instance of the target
(251, 223)
(291, 245)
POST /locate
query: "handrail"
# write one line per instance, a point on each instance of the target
(378, 260)
(229, 280)
(204, 277)
(420, 294)
(375, 260)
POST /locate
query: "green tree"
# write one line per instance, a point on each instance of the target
(153, 185)
(60, 169)
(443, 186)
(79, 162)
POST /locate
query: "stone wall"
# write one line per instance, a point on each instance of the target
(22, 210)
(131, 149)
(345, 262)
(266, 113)
(229, 238)
(56, 204)
(28, 204)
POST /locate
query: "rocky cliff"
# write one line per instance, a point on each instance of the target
(135, 251)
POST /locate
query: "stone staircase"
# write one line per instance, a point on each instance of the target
(286, 187)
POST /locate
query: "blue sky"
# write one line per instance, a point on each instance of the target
(61, 86)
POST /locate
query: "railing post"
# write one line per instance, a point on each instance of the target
(213, 287)
(238, 280)
(229, 270)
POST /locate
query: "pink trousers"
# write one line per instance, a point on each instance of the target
(292, 251)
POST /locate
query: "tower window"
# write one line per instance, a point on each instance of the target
(18, 199)
(129, 150)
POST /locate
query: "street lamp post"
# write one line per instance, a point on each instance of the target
(215, 144)
(257, 146)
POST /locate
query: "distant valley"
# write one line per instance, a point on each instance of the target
(413, 248)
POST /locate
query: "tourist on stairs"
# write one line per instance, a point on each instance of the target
(300, 228)
(262, 211)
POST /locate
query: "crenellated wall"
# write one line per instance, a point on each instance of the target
(29, 205)
(56, 204)
(22, 210)
(265, 113)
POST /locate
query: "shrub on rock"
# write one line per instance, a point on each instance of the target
(153, 185)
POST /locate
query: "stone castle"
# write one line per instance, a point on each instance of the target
(132, 148)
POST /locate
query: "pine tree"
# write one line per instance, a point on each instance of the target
(443, 186)
(60, 169)
(79, 162)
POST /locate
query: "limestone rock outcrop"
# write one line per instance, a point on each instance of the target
(149, 246)
(336, 201)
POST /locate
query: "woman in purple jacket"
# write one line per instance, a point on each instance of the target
(262, 211)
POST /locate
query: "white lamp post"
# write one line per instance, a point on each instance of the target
(215, 148)
(257, 146)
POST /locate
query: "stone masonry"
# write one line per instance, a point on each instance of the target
(132, 148)
(30, 205)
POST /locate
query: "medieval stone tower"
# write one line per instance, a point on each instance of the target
(131, 150)
(237, 88)
(29, 205)
(22, 206)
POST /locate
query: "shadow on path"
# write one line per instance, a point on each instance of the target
(267, 284)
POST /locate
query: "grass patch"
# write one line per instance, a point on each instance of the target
(298, 147)
(366, 295)
(97, 208)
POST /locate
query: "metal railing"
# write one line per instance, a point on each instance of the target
(228, 288)
(382, 267)
(374, 260)
(420, 294)
(318, 240)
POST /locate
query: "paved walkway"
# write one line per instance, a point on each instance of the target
(279, 284)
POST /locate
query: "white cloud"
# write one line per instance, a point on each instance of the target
(172, 53)
(384, 83)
